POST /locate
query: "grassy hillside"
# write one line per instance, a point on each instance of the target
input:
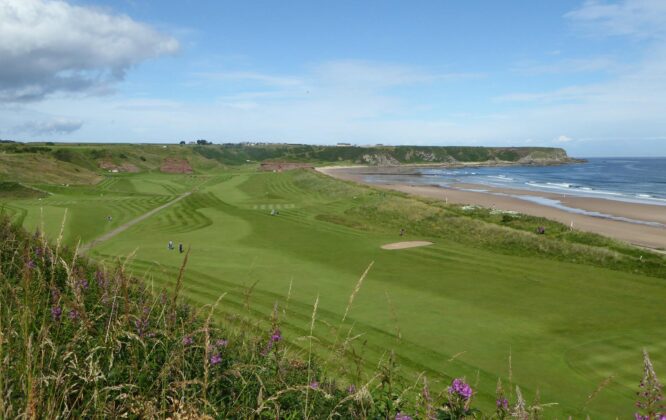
(232, 154)
(569, 310)
(88, 341)
(87, 163)
(84, 341)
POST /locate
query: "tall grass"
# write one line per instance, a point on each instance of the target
(80, 340)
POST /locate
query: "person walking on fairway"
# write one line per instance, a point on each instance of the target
(170, 245)
(180, 248)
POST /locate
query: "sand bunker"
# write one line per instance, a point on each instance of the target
(405, 245)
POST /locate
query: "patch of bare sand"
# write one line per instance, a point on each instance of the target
(176, 166)
(637, 234)
(644, 235)
(406, 244)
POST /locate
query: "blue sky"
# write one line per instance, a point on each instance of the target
(589, 76)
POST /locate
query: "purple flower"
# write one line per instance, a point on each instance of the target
(215, 359)
(461, 389)
(503, 403)
(275, 337)
(38, 252)
(73, 315)
(141, 326)
(402, 416)
(56, 312)
(314, 385)
(351, 389)
(31, 265)
(83, 284)
(426, 393)
(99, 278)
(187, 340)
(222, 343)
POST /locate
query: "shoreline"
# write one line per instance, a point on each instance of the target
(451, 165)
(642, 225)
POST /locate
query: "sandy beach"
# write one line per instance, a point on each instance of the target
(650, 235)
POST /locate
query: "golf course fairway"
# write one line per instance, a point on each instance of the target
(277, 242)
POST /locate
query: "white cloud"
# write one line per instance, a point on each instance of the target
(630, 103)
(49, 46)
(572, 65)
(372, 75)
(365, 102)
(51, 127)
(264, 79)
(563, 139)
(637, 18)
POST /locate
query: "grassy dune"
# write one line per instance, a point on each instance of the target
(485, 301)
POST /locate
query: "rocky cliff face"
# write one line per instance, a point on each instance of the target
(379, 159)
(238, 154)
(392, 156)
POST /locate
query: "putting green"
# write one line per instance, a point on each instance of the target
(446, 309)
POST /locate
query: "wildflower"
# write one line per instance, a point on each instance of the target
(402, 416)
(502, 403)
(38, 252)
(141, 326)
(73, 315)
(650, 395)
(222, 343)
(99, 278)
(215, 359)
(187, 340)
(351, 389)
(31, 265)
(275, 337)
(426, 393)
(461, 389)
(56, 312)
(314, 385)
(83, 284)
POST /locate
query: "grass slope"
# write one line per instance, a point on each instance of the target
(462, 307)
(84, 163)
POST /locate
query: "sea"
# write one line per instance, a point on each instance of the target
(636, 180)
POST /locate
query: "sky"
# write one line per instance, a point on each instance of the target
(586, 75)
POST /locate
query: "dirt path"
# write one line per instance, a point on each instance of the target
(86, 247)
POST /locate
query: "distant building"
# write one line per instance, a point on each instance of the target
(343, 144)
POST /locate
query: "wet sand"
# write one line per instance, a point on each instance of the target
(650, 236)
